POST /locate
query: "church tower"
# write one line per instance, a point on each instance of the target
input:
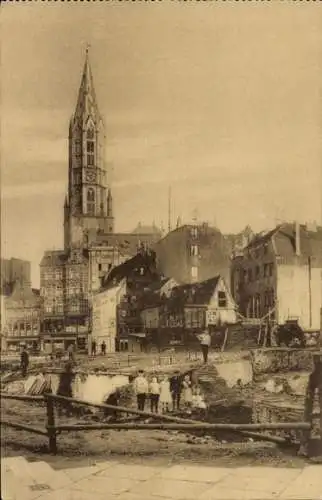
(88, 205)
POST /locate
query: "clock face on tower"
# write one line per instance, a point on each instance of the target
(90, 176)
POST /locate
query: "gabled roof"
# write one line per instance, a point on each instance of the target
(284, 236)
(130, 266)
(188, 295)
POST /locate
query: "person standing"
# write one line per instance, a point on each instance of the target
(165, 394)
(70, 351)
(154, 395)
(205, 341)
(93, 347)
(24, 361)
(103, 348)
(65, 386)
(175, 389)
(141, 389)
(187, 391)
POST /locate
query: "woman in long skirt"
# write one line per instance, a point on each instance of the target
(165, 394)
(187, 391)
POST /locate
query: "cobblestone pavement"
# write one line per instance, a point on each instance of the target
(111, 480)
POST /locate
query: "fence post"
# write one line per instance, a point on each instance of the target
(314, 384)
(51, 425)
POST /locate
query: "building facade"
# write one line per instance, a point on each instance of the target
(69, 277)
(175, 319)
(193, 253)
(279, 275)
(23, 317)
(105, 314)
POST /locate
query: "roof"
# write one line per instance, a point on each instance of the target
(152, 293)
(126, 243)
(53, 258)
(145, 229)
(130, 266)
(204, 230)
(23, 292)
(284, 238)
(192, 294)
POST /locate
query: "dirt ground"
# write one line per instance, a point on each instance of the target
(135, 446)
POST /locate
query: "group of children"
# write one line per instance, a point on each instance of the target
(167, 393)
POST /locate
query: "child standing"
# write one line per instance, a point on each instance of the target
(165, 394)
(154, 395)
(187, 391)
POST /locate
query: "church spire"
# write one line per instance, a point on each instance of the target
(86, 101)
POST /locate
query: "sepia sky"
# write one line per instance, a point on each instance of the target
(222, 101)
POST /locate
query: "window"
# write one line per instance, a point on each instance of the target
(90, 147)
(91, 201)
(194, 272)
(270, 269)
(265, 270)
(100, 267)
(222, 299)
(194, 250)
(257, 271)
(250, 275)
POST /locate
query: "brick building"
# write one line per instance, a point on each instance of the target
(193, 253)
(23, 316)
(281, 273)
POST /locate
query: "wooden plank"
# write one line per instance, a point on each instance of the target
(21, 397)
(23, 427)
(123, 409)
(179, 426)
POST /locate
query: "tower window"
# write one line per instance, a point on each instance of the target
(90, 147)
(91, 201)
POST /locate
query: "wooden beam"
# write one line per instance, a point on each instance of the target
(20, 397)
(182, 427)
(123, 409)
(23, 427)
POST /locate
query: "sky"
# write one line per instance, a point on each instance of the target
(221, 101)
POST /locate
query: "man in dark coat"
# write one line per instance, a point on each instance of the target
(175, 389)
(65, 386)
(24, 361)
(103, 348)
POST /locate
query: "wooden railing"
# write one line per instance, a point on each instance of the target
(168, 422)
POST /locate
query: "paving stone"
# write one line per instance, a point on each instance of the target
(218, 493)
(78, 473)
(195, 473)
(106, 485)
(75, 495)
(272, 481)
(308, 485)
(170, 489)
(137, 472)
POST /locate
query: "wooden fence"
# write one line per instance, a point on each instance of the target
(161, 422)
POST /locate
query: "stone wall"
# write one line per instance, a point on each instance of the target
(273, 360)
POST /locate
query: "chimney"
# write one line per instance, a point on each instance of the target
(297, 239)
